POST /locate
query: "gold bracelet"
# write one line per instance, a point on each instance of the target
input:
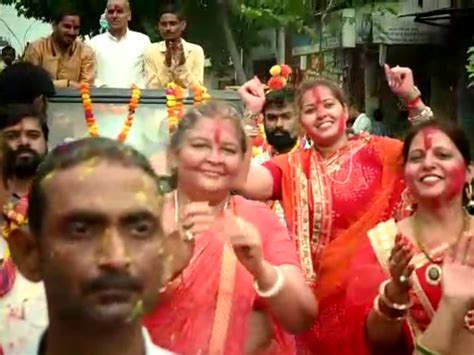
(252, 116)
(379, 312)
(389, 303)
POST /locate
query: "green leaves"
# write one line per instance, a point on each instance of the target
(470, 66)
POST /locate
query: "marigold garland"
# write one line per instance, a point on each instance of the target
(200, 94)
(15, 216)
(174, 102)
(174, 105)
(92, 124)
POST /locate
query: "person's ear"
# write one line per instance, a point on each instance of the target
(25, 252)
(184, 24)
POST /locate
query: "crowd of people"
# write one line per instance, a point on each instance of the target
(120, 57)
(330, 241)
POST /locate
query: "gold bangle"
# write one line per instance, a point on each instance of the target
(389, 303)
(379, 312)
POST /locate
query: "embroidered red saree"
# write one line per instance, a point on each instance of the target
(330, 204)
(207, 309)
(369, 269)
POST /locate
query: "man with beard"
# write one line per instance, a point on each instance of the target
(25, 133)
(280, 123)
(68, 60)
(97, 243)
(22, 303)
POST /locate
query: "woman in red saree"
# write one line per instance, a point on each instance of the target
(426, 304)
(241, 250)
(333, 193)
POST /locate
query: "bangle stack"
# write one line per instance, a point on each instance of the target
(425, 115)
(398, 308)
(275, 289)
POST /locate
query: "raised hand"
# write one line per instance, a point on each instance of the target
(458, 273)
(253, 95)
(245, 240)
(400, 270)
(400, 80)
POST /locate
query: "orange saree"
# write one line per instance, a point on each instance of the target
(330, 204)
(369, 270)
(206, 310)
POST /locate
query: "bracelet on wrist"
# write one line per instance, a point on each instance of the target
(425, 115)
(250, 116)
(275, 289)
(381, 314)
(412, 95)
(413, 104)
(387, 302)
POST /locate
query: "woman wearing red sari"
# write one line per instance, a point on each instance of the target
(426, 303)
(333, 193)
(241, 251)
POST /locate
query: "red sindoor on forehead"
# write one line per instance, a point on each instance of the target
(317, 95)
(428, 134)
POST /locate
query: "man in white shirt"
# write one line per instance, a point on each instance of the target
(96, 242)
(119, 51)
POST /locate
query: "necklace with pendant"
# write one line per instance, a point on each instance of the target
(433, 271)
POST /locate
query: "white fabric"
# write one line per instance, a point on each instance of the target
(150, 348)
(120, 62)
(23, 317)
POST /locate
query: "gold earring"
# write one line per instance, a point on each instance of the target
(470, 201)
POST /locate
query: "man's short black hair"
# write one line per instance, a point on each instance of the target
(61, 14)
(279, 98)
(23, 82)
(11, 115)
(7, 49)
(69, 155)
(174, 9)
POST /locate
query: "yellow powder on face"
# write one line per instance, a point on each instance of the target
(137, 311)
(87, 168)
(47, 178)
(141, 197)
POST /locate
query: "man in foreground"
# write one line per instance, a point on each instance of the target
(97, 244)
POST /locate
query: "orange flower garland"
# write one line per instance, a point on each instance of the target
(200, 94)
(92, 124)
(16, 216)
(174, 105)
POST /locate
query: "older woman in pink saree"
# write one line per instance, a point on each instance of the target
(242, 254)
(412, 286)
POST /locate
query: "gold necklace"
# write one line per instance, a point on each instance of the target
(433, 271)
